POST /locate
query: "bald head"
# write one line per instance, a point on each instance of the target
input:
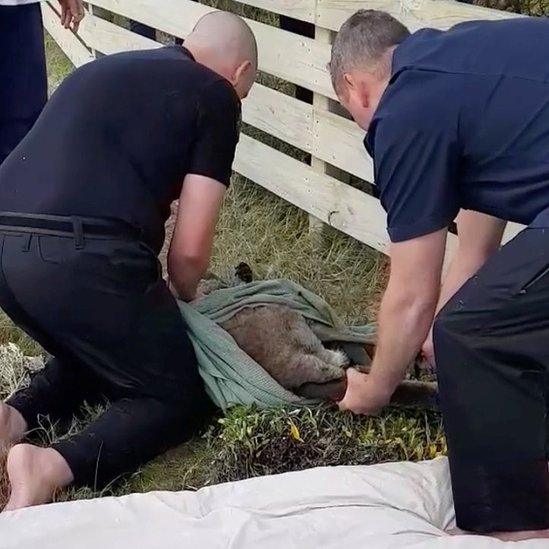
(224, 42)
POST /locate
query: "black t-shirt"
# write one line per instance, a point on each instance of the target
(464, 123)
(118, 137)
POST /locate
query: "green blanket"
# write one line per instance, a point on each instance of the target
(230, 375)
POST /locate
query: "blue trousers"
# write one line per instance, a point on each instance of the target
(23, 81)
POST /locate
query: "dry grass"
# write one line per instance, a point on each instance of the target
(273, 238)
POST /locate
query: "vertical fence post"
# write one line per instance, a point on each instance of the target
(316, 226)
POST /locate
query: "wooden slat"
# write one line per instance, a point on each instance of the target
(333, 202)
(303, 10)
(415, 14)
(511, 231)
(320, 103)
(339, 142)
(341, 206)
(280, 115)
(273, 112)
(109, 38)
(68, 42)
(283, 54)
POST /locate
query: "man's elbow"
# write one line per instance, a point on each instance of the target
(178, 262)
(419, 304)
(185, 272)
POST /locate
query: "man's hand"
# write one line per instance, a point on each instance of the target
(405, 316)
(72, 12)
(364, 395)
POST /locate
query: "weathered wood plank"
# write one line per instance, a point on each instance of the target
(415, 14)
(341, 206)
(303, 10)
(283, 54)
(68, 42)
(333, 202)
(280, 115)
(511, 231)
(109, 38)
(320, 103)
(338, 141)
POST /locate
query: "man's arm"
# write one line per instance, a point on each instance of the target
(479, 236)
(405, 317)
(192, 241)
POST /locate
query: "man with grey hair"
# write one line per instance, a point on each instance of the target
(458, 126)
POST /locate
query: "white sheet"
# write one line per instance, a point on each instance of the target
(399, 505)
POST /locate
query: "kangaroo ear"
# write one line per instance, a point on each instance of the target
(243, 272)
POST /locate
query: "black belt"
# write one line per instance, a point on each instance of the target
(61, 225)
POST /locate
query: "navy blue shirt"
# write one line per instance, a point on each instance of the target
(118, 137)
(464, 123)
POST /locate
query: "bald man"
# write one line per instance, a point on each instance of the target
(85, 197)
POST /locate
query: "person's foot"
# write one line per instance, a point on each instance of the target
(520, 536)
(35, 474)
(12, 426)
(505, 536)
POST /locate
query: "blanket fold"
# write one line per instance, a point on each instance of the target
(233, 377)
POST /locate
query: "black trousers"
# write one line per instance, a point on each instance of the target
(492, 350)
(105, 314)
(23, 83)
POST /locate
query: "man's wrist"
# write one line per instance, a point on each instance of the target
(384, 386)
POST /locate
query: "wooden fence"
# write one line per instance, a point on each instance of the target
(334, 143)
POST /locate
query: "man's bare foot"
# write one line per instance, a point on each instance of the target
(520, 536)
(504, 536)
(457, 532)
(35, 474)
(12, 426)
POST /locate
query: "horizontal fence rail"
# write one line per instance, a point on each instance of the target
(334, 143)
(415, 14)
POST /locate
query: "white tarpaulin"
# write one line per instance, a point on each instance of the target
(399, 505)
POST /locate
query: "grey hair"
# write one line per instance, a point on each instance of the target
(363, 42)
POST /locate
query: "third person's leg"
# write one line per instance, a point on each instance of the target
(23, 91)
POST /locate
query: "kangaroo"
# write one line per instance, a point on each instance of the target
(282, 342)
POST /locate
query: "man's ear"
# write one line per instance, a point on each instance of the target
(357, 87)
(349, 80)
(242, 72)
